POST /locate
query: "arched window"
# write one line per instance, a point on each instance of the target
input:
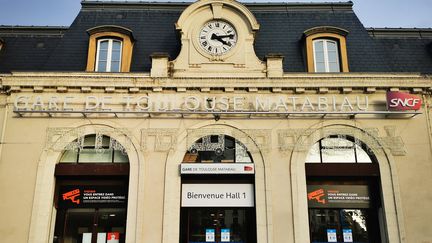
(110, 49)
(326, 55)
(94, 149)
(339, 149)
(217, 149)
(343, 191)
(108, 57)
(91, 191)
(326, 49)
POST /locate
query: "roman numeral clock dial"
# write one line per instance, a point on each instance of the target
(217, 37)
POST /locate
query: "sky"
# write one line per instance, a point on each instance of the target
(372, 13)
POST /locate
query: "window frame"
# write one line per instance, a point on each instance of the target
(109, 54)
(110, 32)
(329, 33)
(326, 54)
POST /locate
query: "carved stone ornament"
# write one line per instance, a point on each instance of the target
(62, 138)
(164, 139)
(253, 140)
(302, 139)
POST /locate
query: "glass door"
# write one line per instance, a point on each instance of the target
(218, 225)
(342, 225)
(91, 225)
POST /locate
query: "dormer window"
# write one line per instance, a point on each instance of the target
(326, 49)
(110, 49)
(326, 55)
(108, 57)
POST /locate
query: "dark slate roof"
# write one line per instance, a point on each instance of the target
(27, 48)
(281, 32)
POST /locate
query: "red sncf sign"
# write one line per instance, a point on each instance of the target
(398, 101)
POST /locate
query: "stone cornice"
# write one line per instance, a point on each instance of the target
(142, 82)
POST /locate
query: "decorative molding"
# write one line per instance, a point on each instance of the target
(64, 138)
(164, 139)
(301, 139)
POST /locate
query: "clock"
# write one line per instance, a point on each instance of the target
(217, 37)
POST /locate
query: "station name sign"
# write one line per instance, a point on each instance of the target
(161, 103)
(217, 168)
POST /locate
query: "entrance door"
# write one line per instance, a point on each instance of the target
(91, 225)
(217, 225)
(342, 225)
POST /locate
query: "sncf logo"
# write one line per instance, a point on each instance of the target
(398, 101)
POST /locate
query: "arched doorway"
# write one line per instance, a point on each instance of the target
(91, 192)
(343, 192)
(218, 192)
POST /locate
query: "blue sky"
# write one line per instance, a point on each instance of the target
(372, 13)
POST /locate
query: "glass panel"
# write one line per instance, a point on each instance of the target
(102, 66)
(95, 156)
(77, 223)
(362, 156)
(331, 46)
(90, 141)
(353, 222)
(103, 45)
(337, 150)
(116, 45)
(319, 46)
(112, 223)
(115, 66)
(69, 156)
(119, 157)
(242, 155)
(314, 154)
(103, 55)
(321, 220)
(334, 67)
(320, 67)
(218, 149)
(115, 56)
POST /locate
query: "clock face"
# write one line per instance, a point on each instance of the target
(217, 37)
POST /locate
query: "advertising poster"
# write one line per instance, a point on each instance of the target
(338, 196)
(347, 235)
(210, 235)
(113, 237)
(92, 196)
(225, 235)
(331, 235)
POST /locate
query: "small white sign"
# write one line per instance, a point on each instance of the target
(210, 235)
(101, 237)
(87, 238)
(225, 235)
(217, 168)
(331, 235)
(347, 235)
(217, 195)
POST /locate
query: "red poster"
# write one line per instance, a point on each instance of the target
(113, 237)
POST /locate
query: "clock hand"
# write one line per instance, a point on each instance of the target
(218, 38)
(226, 36)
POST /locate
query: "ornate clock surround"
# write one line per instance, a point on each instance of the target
(240, 61)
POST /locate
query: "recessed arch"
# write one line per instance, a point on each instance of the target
(43, 212)
(172, 197)
(388, 180)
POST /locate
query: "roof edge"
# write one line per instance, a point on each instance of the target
(269, 6)
(419, 33)
(33, 30)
